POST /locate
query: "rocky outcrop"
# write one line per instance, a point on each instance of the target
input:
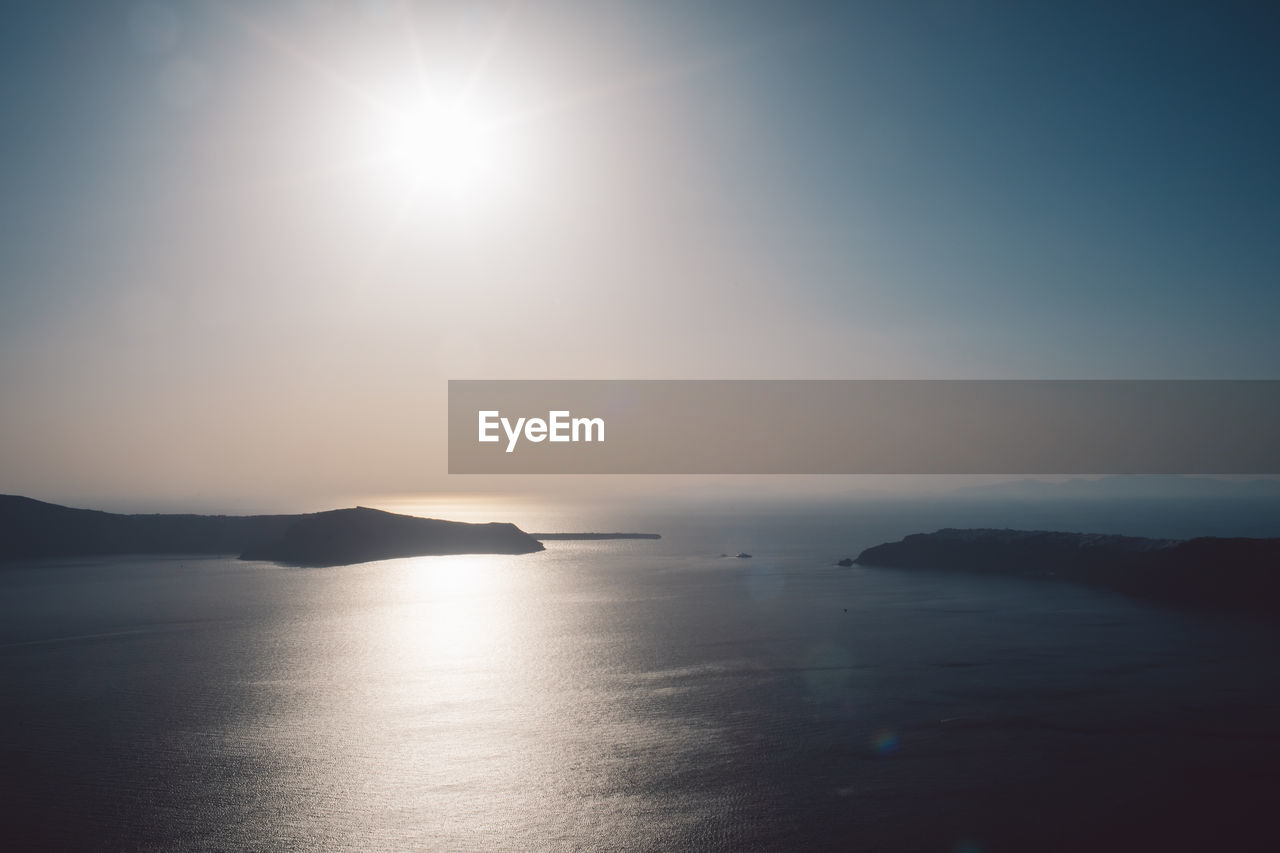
(1239, 574)
(31, 529)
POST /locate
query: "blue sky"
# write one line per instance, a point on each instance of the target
(1093, 186)
(202, 282)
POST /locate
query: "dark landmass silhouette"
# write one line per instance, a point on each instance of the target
(1236, 574)
(552, 536)
(31, 529)
(344, 536)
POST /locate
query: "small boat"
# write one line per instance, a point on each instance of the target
(743, 555)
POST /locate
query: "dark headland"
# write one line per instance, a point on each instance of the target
(31, 529)
(1236, 574)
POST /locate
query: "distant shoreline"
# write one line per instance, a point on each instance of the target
(31, 529)
(1230, 574)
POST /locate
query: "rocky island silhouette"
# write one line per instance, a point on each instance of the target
(1235, 574)
(32, 529)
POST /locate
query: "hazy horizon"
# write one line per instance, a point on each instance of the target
(247, 244)
(642, 497)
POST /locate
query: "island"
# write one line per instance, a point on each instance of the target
(344, 536)
(32, 529)
(1235, 574)
(548, 537)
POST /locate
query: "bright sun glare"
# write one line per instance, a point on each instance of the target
(449, 149)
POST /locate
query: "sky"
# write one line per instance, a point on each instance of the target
(245, 244)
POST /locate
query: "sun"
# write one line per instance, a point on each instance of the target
(430, 138)
(452, 150)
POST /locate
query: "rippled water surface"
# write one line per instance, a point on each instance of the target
(626, 695)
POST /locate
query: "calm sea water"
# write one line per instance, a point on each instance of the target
(628, 695)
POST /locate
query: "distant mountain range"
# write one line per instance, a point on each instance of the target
(1238, 574)
(1128, 487)
(32, 529)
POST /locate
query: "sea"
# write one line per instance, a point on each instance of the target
(646, 695)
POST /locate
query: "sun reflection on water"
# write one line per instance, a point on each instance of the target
(452, 611)
(485, 701)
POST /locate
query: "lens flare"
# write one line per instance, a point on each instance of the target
(885, 742)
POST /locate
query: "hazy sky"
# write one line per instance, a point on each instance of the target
(244, 244)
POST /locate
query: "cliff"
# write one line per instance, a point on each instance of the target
(31, 529)
(1240, 574)
(359, 535)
